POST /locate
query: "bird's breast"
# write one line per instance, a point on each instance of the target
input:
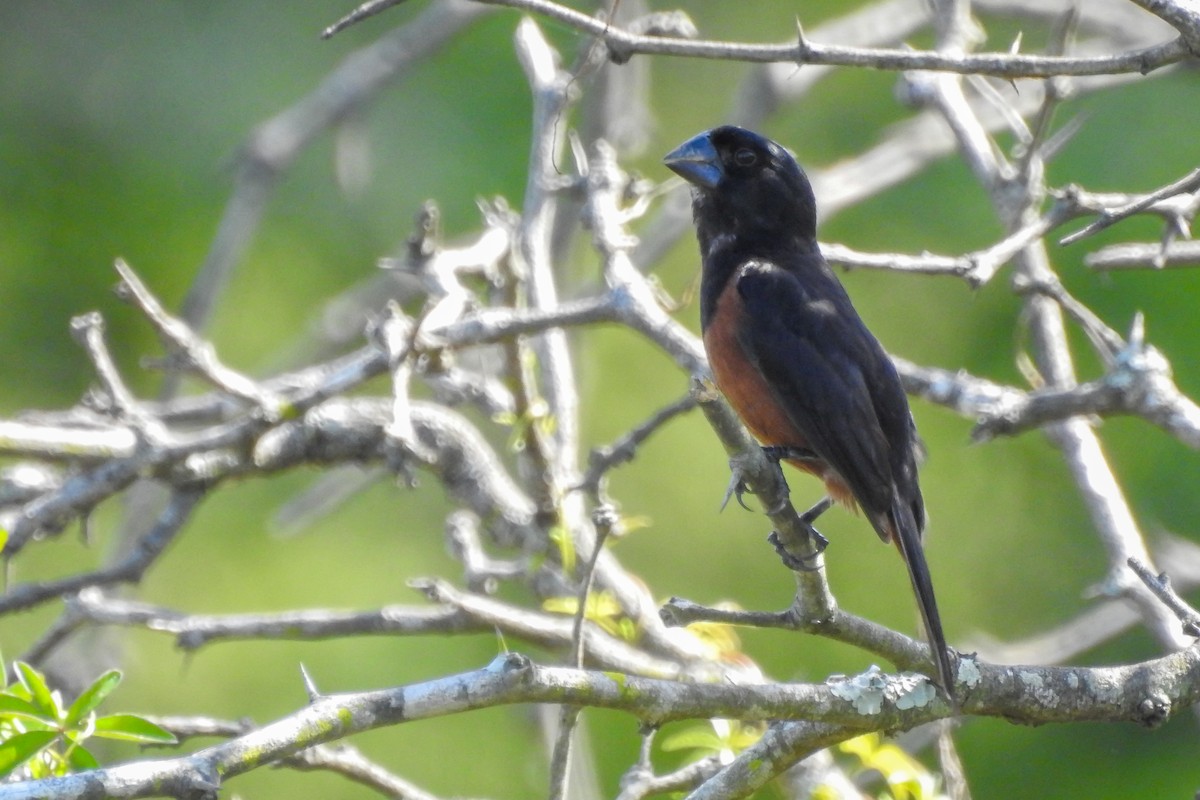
(751, 396)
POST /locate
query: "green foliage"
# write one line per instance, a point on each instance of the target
(41, 735)
(602, 609)
(720, 737)
(906, 778)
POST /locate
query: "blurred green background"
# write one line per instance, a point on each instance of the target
(118, 126)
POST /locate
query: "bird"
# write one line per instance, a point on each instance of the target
(790, 353)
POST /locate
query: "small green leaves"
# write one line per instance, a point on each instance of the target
(132, 728)
(93, 696)
(560, 537)
(35, 686)
(19, 748)
(13, 706)
(41, 737)
(906, 777)
(722, 738)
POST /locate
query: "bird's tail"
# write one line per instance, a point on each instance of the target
(907, 535)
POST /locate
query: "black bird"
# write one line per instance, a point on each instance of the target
(790, 353)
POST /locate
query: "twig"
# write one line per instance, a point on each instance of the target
(780, 747)
(644, 783)
(481, 572)
(1144, 256)
(1096, 624)
(550, 89)
(1187, 184)
(365, 11)
(88, 330)
(556, 629)
(130, 569)
(349, 762)
(604, 519)
(195, 354)
(342, 759)
(606, 457)
(1160, 585)
(193, 631)
(903, 651)
(1183, 16)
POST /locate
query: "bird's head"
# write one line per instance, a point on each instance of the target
(745, 184)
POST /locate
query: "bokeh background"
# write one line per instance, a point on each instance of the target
(119, 122)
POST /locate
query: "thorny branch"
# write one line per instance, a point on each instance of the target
(524, 525)
(623, 44)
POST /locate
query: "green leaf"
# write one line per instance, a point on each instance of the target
(80, 759)
(39, 692)
(93, 696)
(12, 706)
(20, 748)
(561, 538)
(692, 738)
(132, 728)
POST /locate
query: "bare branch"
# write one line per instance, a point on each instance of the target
(194, 354)
(1016, 205)
(1188, 184)
(1160, 584)
(637, 784)
(1144, 256)
(1179, 14)
(1001, 65)
(605, 458)
(129, 569)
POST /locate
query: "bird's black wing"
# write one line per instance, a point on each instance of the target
(819, 360)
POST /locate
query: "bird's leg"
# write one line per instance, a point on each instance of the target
(779, 453)
(805, 563)
(810, 516)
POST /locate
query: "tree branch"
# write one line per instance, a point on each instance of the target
(813, 716)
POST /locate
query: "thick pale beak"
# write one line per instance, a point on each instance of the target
(696, 161)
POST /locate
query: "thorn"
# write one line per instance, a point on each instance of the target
(309, 686)
(802, 46)
(1137, 331)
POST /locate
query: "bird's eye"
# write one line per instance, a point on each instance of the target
(745, 157)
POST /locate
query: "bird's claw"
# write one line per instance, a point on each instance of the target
(736, 488)
(805, 563)
(737, 484)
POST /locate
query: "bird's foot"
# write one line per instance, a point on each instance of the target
(738, 486)
(805, 563)
(776, 455)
